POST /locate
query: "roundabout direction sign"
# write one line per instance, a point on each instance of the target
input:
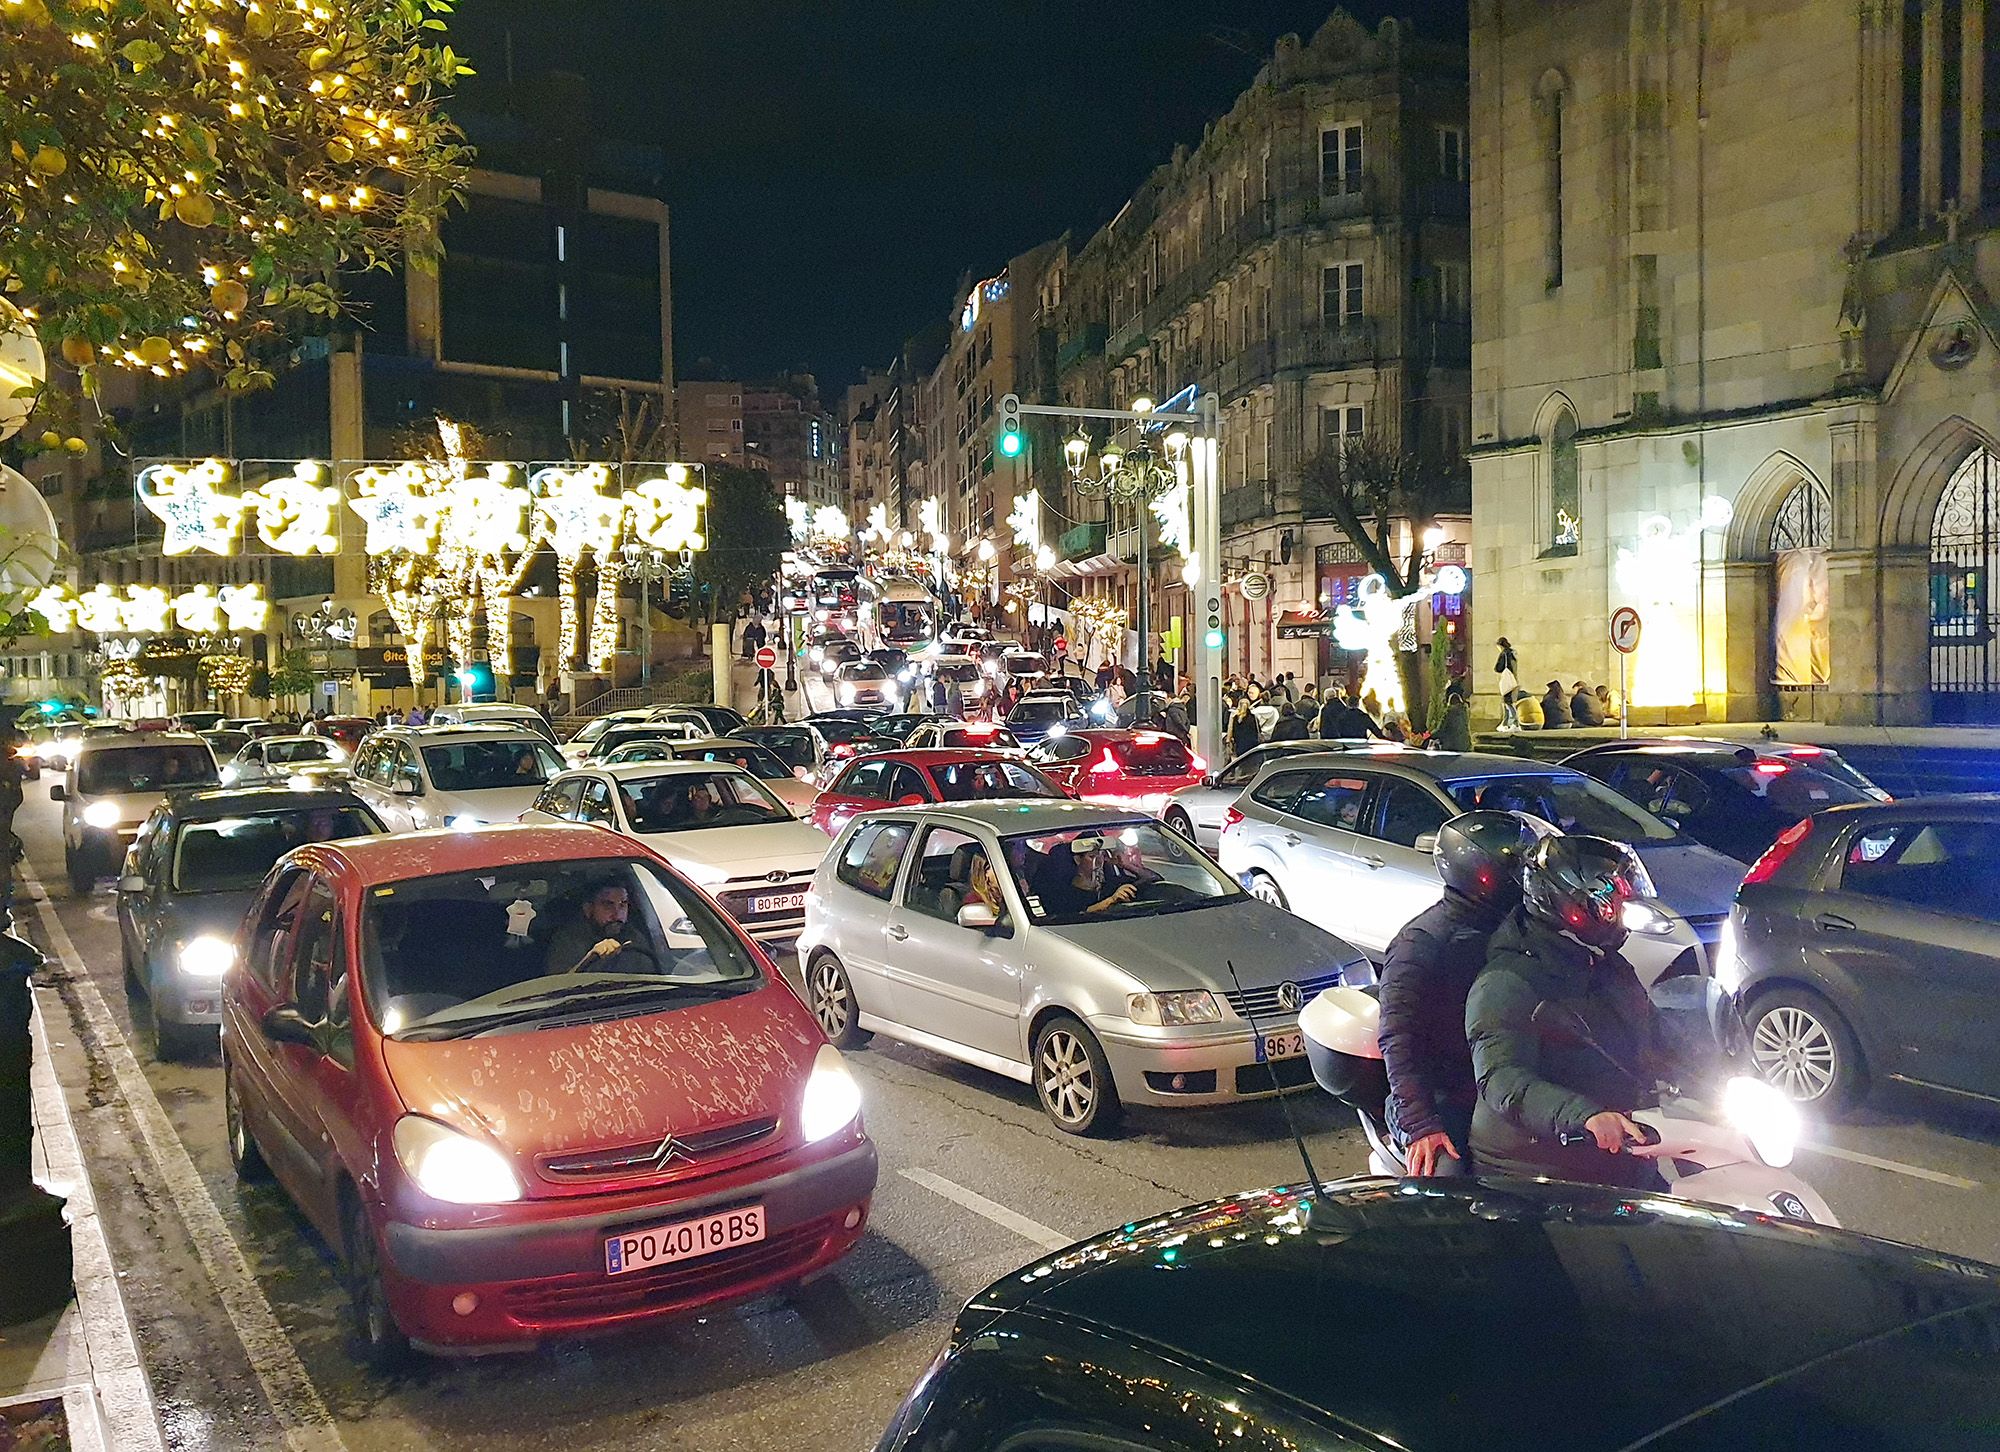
(1625, 625)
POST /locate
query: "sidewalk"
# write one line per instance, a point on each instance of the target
(80, 1368)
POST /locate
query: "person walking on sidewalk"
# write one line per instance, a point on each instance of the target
(1508, 667)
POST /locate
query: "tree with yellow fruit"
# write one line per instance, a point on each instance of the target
(181, 180)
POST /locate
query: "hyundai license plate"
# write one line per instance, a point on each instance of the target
(1280, 1046)
(780, 902)
(683, 1240)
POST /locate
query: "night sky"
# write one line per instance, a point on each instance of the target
(834, 168)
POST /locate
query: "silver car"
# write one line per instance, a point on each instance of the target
(1346, 840)
(1106, 961)
(1196, 812)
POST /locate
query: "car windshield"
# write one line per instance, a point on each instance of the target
(233, 853)
(312, 749)
(762, 764)
(683, 801)
(1569, 800)
(1025, 663)
(109, 771)
(1038, 709)
(961, 672)
(866, 670)
(226, 743)
(473, 766)
(1113, 870)
(838, 731)
(794, 747)
(507, 949)
(962, 781)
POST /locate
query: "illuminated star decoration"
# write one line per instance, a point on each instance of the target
(145, 613)
(184, 498)
(245, 606)
(799, 514)
(395, 502)
(487, 514)
(295, 513)
(666, 513)
(1171, 509)
(580, 515)
(829, 523)
(99, 611)
(930, 519)
(56, 605)
(878, 523)
(198, 610)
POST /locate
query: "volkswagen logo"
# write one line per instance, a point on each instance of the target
(1291, 998)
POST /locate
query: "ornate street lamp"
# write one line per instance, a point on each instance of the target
(1136, 477)
(648, 566)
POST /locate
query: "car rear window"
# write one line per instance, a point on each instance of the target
(118, 769)
(1159, 755)
(1797, 791)
(794, 748)
(1052, 709)
(234, 853)
(281, 752)
(471, 766)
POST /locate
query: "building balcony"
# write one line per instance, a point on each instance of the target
(1319, 208)
(1245, 503)
(1246, 370)
(1342, 345)
(1086, 345)
(1082, 541)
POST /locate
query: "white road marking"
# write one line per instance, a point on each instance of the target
(123, 1401)
(295, 1401)
(1032, 1231)
(1894, 1167)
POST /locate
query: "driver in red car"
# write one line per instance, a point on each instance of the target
(601, 937)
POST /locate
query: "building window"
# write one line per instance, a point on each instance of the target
(1343, 294)
(1565, 487)
(1453, 288)
(1451, 153)
(1342, 426)
(1340, 159)
(1552, 95)
(736, 426)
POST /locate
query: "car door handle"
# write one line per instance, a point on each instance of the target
(1371, 863)
(897, 932)
(1292, 839)
(1833, 923)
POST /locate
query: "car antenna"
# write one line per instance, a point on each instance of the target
(1314, 1215)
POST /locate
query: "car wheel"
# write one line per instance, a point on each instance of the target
(1178, 820)
(1264, 888)
(831, 998)
(1801, 1045)
(1073, 1078)
(81, 876)
(244, 1156)
(378, 1341)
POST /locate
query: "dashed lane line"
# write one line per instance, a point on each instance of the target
(1032, 1231)
(295, 1401)
(1894, 1167)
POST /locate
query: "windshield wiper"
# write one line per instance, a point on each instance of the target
(552, 1009)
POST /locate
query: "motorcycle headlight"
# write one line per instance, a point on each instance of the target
(832, 1098)
(453, 1167)
(1170, 1010)
(1640, 917)
(206, 956)
(101, 815)
(1765, 1117)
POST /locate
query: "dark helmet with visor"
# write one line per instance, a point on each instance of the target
(1580, 886)
(1480, 855)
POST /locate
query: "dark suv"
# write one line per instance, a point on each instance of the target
(1734, 798)
(1865, 945)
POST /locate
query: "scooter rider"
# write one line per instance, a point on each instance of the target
(1537, 1087)
(1428, 972)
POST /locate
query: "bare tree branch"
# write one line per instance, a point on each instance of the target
(1368, 486)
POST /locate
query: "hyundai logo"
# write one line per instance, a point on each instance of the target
(1291, 998)
(776, 876)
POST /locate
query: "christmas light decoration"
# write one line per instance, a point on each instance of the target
(487, 513)
(830, 523)
(798, 514)
(145, 610)
(666, 513)
(185, 499)
(395, 501)
(1375, 627)
(226, 675)
(245, 606)
(1025, 519)
(296, 513)
(198, 610)
(57, 606)
(878, 524)
(23, 365)
(99, 611)
(578, 519)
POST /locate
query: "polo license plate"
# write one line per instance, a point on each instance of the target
(779, 902)
(683, 1240)
(1280, 1046)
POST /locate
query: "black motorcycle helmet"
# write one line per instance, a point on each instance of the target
(1580, 885)
(1480, 855)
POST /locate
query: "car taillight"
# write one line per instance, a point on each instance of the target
(1766, 867)
(1772, 768)
(1230, 818)
(1197, 765)
(1808, 751)
(1105, 765)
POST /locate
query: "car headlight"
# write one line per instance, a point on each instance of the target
(101, 815)
(453, 1167)
(206, 956)
(1765, 1117)
(464, 822)
(1644, 918)
(1729, 970)
(832, 1098)
(1170, 1010)
(847, 694)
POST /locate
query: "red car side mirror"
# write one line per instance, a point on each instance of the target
(909, 799)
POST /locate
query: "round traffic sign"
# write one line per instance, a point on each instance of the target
(1625, 630)
(766, 657)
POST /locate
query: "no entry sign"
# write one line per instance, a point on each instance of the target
(766, 657)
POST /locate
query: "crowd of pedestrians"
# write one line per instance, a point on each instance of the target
(1580, 704)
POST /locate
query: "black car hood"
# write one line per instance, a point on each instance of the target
(1534, 1315)
(220, 913)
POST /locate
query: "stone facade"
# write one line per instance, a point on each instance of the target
(1733, 296)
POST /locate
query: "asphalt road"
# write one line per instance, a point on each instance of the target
(240, 1321)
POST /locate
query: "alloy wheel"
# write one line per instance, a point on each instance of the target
(1793, 1050)
(1265, 889)
(832, 1004)
(1068, 1084)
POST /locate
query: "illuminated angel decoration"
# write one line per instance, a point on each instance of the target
(1374, 628)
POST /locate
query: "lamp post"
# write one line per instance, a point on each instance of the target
(1135, 476)
(647, 566)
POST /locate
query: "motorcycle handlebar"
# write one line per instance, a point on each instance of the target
(1572, 1137)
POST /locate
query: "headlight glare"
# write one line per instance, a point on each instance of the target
(101, 815)
(1765, 1117)
(1173, 1010)
(1728, 962)
(206, 956)
(1640, 917)
(453, 1167)
(832, 1098)
(463, 822)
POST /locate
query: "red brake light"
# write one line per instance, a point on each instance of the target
(1230, 818)
(1809, 751)
(1195, 763)
(1105, 765)
(1766, 867)
(1772, 768)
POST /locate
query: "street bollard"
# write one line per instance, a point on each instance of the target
(36, 1279)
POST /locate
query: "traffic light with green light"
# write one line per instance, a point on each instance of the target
(1011, 442)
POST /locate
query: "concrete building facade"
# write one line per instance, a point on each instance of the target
(1735, 359)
